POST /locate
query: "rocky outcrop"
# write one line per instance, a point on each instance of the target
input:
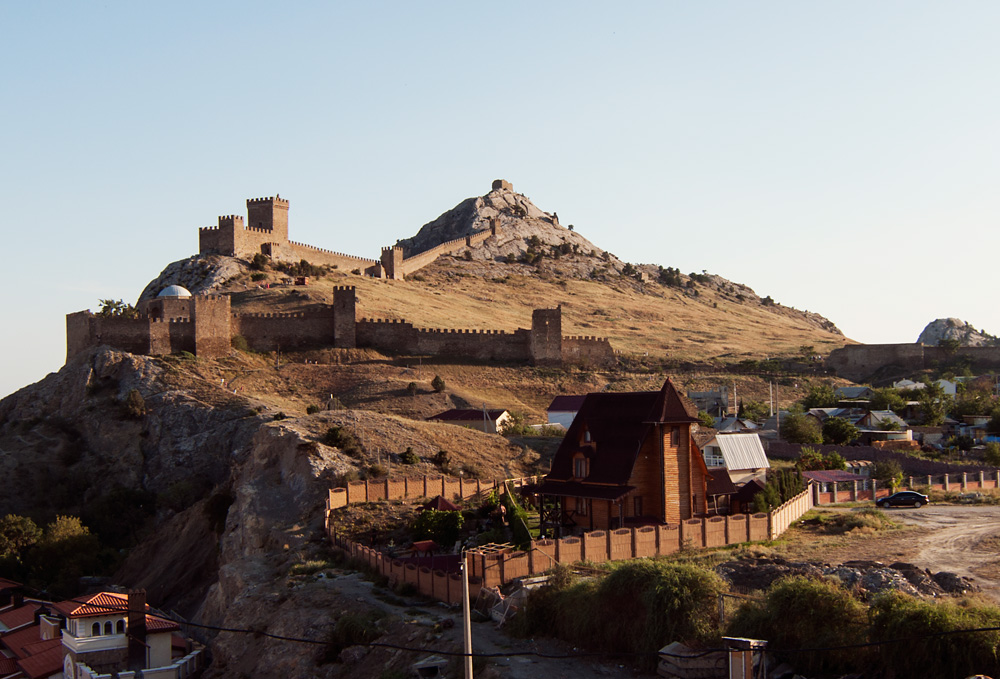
(199, 273)
(954, 330)
(520, 222)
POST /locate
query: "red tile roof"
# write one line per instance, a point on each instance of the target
(46, 659)
(155, 624)
(8, 584)
(441, 504)
(7, 666)
(22, 615)
(18, 640)
(462, 415)
(102, 603)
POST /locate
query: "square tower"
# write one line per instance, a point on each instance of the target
(269, 214)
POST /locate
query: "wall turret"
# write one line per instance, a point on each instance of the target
(392, 262)
(270, 214)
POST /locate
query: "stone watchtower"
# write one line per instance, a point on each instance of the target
(546, 336)
(269, 214)
(392, 263)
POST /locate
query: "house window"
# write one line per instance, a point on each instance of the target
(120, 627)
(95, 631)
(581, 506)
(637, 505)
(675, 436)
(586, 436)
(580, 467)
(109, 628)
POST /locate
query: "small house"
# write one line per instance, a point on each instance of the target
(563, 409)
(489, 421)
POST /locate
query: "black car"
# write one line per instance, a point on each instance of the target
(903, 498)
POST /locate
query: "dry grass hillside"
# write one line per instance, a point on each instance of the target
(703, 323)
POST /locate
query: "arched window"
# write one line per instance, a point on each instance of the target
(120, 627)
(109, 628)
(95, 631)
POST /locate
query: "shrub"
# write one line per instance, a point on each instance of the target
(134, 405)
(347, 442)
(259, 276)
(799, 612)
(311, 409)
(352, 629)
(441, 460)
(411, 389)
(259, 263)
(377, 471)
(938, 653)
(437, 384)
(280, 416)
(992, 454)
(408, 456)
(239, 343)
(443, 528)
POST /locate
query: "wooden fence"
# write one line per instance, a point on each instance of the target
(402, 488)
(494, 568)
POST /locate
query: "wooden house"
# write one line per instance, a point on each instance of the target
(628, 458)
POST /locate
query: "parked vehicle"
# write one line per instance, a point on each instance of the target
(903, 498)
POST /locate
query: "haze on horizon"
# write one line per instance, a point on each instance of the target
(839, 157)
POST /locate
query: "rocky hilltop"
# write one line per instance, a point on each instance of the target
(954, 329)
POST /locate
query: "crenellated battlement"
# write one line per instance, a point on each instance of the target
(585, 338)
(313, 248)
(344, 288)
(282, 315)
(276, 199)
(170, 320)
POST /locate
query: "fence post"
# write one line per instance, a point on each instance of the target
(854, 491)
(947, 482)
(965, 481)
(930, 481)
(982, 480)
(815, 487)
(367, 495)
(425, 493)
(910, 483)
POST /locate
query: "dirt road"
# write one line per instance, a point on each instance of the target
(956, 538)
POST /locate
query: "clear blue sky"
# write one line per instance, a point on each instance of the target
(841, 157)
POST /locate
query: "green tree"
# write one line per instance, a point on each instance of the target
(811, 459)
(116, 308)
(973, 402)
(705, 420)
(17, 533)
(887, 398)
(888, 472)
(756, 411)
(839, 431)
(820, 396)
(443, 528)
(66, 551)
(800, 428)
(992, 454)
(933, 404)
(437, 384)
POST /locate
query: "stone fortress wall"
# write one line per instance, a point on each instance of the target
(266, 232)
(860, 361)
(205, 326)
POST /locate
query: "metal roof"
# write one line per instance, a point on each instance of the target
(742, 451)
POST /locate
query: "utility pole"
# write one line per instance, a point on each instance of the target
(466, 617)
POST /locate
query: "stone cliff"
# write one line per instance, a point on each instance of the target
(953, 329)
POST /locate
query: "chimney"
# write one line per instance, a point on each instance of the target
(18, 599)
(136, 629)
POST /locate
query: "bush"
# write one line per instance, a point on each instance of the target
(338, 437)
(640, 607)
(239, 343)
(411, 389)
(443, 528)
(441, 460)
(259, 262)
(408, 456)
(992, 454)
(353, 629)
(378, 471)
(938, 653)
(134, 405)
(280, 416)
(437, 384)
(311, 409)
(259, 276)
(799, 612)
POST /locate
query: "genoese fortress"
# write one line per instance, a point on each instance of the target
(205, 325)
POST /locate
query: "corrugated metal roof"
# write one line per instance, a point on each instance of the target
(742, 451)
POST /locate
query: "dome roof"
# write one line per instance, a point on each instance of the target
(174, 291)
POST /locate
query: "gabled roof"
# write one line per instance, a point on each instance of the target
(467, 414)
(749, 489)
(832, 476)
(7, 666)
(568, 404)
(853, 392)
(742, 451)
(102, 603)
(618, 423)
(720, 484)
(440, 504)
(18, 640)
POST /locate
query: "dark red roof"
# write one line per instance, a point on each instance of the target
(45, 660)
(12, 618)
(7, 666)
(719, 483)
(441, 505)
(569, 404)
(102, 603)
(749, 489)
(470, 414)
(618, 423)
(17, 640)
(832, 475)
